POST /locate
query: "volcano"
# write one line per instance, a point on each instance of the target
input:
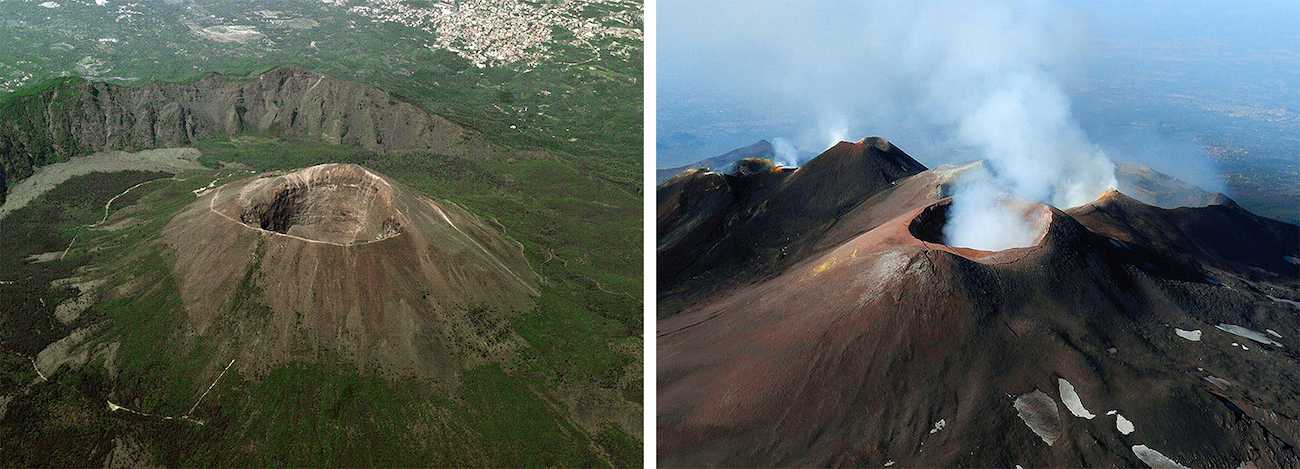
(338, 261)
(816, 318)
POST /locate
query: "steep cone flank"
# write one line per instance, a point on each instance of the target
(1221, 234)
(847, 172)
(765, 217)
(344, 262)
(870, 341)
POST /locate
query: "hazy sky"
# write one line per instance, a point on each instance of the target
(731, 72)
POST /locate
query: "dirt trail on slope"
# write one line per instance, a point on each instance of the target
(48, 177)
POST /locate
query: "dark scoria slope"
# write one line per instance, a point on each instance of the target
(75, 117)
(880, 345)
(716, 229)
(1223, 234)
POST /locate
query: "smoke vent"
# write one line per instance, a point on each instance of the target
(932, 225)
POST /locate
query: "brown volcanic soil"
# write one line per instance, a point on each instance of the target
(851, 354)
(717, 230)
(337, 260)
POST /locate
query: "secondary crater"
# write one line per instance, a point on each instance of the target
(333, 203)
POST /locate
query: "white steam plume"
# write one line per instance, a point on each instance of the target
(985, 217)
(1034, 150)
(982, 78)
(836, 134)
(784, 153)
(988, 72)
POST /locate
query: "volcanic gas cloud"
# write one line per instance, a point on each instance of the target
(1010, 108)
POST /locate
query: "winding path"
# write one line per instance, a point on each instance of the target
(481, 248)
(112, 407)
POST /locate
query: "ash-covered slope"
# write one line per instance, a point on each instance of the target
(347, 263)
(76, 117)
(728, 228)
(879, 345)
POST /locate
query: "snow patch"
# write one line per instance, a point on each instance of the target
(1072, 401)
(938, 426)
(1154, 459)
(1247, 333)
(1192, 335)
(1039, 413)
(49, 5)
(1125, 426)
(1273, 333)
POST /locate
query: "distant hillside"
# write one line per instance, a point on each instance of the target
(1159, 189)
(759, 149)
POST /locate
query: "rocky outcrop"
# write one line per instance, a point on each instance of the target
(74, 117)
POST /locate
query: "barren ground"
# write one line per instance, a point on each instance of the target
(163, 159)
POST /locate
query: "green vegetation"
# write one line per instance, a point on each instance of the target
(574, 230)
(592, 110)
(24, 129)
(20, 96)
(570, 194)
(49, 224)
(313, 415)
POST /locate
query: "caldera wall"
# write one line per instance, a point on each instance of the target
(76, 117)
